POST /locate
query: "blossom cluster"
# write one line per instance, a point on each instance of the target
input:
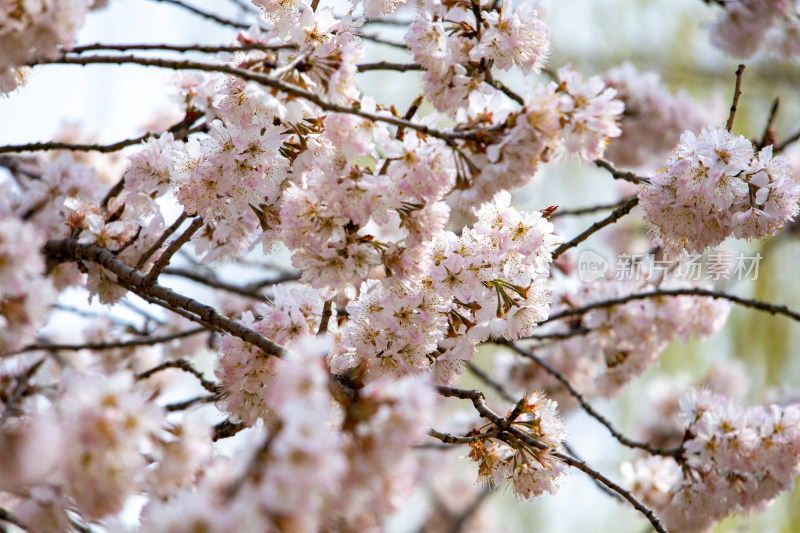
(745, 26)
(488, 282)
(716, 185)
(31, 30)
(528, 470)
(458, 42)
(736, 460)
(573, 115)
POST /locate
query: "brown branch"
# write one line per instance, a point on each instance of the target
(211, 280)
(588, 210)
(263, 79)
(488, 380)
(226, 429)
(99, 346)
(620, 174)
(736, 94)
(206, 14)
(768, 137)
(186, 366)
(505, 426)
(180, 406)
(746, 302)
(387, 65)
(104, 148)
(182, 48)
(161, 240)
(452, 439)
(133, 280)
(591, 411)
(163, 260)
(503, 88)
(615, 215)
(379, 40)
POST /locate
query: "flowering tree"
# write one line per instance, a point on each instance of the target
(339, 376)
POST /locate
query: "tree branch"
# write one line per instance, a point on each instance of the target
(186, 366)
(615, 215)
(131, 279)
(586, 406)
(745, 302)
(264, 80)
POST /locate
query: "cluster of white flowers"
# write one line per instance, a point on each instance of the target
(86, 452)
(25, 294)
(745, 26)
(735, 460)
(528, 470)
(574, 115)
(35, 30)
(488, 282)
(714, 186)
(458, 42)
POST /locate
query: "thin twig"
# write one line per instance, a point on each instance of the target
(587, 210)
(380, 40)
(161, 240)
(99, 346)
(387, 65)
(505, 426)
(693, 291)
(182, 48)
(768, 137)
(503, 88)
(180, 406)
(591, 411)
(186, 366)
(267, 81)
(163, 260)
(620, 174)
(615, 215)
(736, 94)
(211, 280)
(487, 379)
(102, 148)
(206, 15)
(133, 280)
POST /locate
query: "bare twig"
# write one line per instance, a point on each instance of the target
(206, 15)
(387, 65)
(615, 215)
(693, 291)
(487, 379)
(99, 346)
(591, 411)
(133, 280)
(186, 366)
(211, 280)
(161, 240)
(182, 48)
(163, 260)
(736, 94)
(264, 80)
(768, 137)
(620, 174)
(588, 210)
(180, 406)
(226, 429)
